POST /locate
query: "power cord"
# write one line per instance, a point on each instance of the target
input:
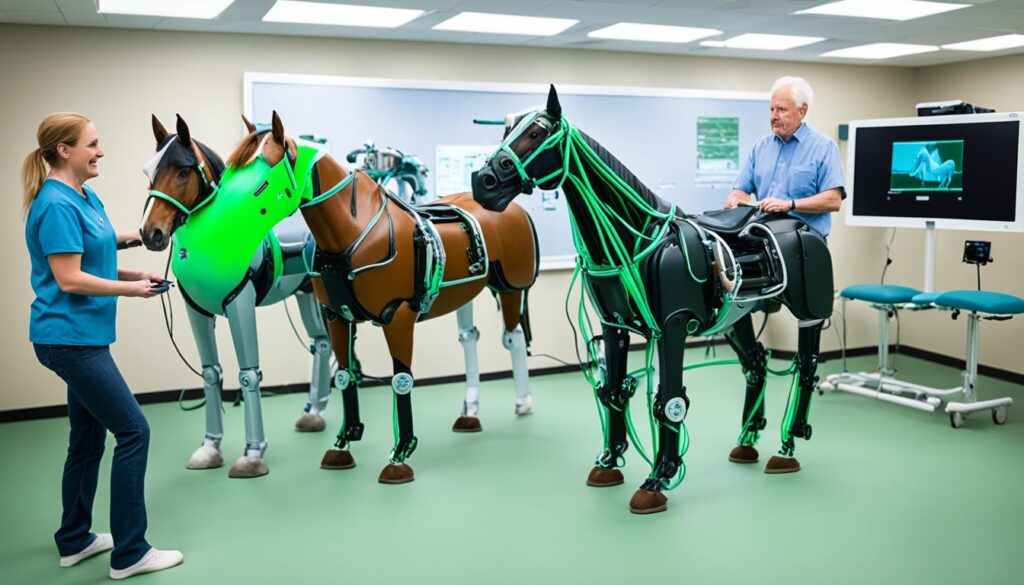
(302, 342)
(551, 357)
(168, 309)
(888, 254)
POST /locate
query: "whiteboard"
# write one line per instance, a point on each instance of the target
(653, 131)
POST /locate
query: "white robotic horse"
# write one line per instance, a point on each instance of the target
(929, 167)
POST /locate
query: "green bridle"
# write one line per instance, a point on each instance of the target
(559, 138)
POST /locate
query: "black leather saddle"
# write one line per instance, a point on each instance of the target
(727, 221)
(436, 212)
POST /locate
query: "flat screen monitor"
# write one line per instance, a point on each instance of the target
(960, 172)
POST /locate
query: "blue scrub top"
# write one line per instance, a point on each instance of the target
(62, 221)
(805, 165)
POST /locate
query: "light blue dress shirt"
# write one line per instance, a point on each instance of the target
(805, 165)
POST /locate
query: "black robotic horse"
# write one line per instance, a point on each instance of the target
(652, 270)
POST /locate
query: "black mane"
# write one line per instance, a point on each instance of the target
(620, 169)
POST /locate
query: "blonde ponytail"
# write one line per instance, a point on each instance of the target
(59, 128)
(33, 173)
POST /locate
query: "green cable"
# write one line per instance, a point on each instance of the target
(622, 263)
(748, 436)
(394, 426)
(791, 407)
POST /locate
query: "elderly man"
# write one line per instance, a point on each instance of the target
(795, 169)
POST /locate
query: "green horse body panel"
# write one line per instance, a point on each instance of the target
(215, 247)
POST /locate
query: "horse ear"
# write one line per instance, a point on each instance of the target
(554, 108)
(159, 132)
(184, 135)
(248, 125)
(277, 128)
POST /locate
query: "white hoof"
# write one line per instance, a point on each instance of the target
(205, 457)
(248, 467)
(310, 422)
(525, 405)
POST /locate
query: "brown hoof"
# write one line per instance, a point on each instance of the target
(467, 424)
(337, 459)
(395, 473)
(743, 454)
(604, 477)
(782, 465)
(645, 502)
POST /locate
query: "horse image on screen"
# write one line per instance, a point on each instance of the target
(927, 166)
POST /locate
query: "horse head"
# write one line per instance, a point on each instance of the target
(531, 154)
(182, 174)
(259, 155)
(277, 175)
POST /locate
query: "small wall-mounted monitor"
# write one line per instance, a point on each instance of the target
(960, 172)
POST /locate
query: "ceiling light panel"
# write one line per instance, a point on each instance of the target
(203, 9)
(764, 42)
(883, 9)
(339, 14)
(880, 51)
(505, 24)
(655, 33)
(989, 44)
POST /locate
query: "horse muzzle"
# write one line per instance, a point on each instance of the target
(496, 184)
(155, 238)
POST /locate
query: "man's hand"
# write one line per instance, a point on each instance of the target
(775, 205)
(736, 198)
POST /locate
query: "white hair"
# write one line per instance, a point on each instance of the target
(799, 89)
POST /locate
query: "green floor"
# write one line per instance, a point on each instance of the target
(887, 495)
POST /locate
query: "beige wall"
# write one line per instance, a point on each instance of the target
(119, 77)
(996, 83)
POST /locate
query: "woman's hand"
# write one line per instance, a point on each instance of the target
(123, 237)
(140, 288)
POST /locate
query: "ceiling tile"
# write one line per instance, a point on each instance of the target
(77, 6)
(34, 17)
(28, 5)
(85, 19)
(127, 21)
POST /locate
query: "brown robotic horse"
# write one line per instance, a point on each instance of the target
(375, 256)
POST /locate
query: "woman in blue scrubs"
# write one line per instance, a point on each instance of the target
(73, 249)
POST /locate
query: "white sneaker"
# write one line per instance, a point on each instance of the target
(102, 543)
(153, 560)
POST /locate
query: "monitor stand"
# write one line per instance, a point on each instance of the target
(929, 256)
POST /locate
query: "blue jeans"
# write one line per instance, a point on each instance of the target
(98, 400)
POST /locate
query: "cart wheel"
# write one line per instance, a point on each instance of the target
(999, 415)
(956, 419)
